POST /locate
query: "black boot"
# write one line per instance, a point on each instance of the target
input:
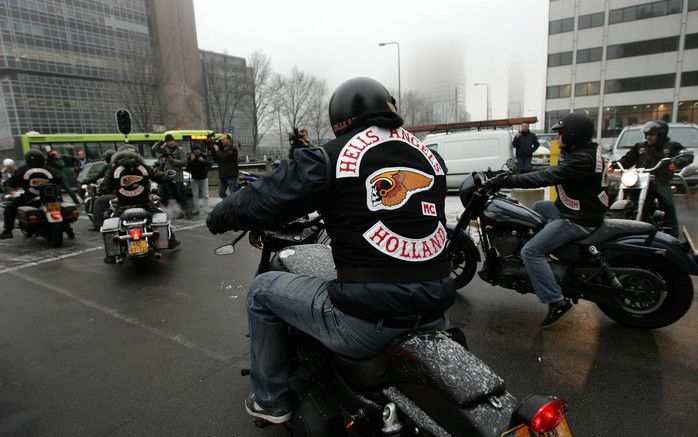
(110, 259)
(6, 234)
(555, 312)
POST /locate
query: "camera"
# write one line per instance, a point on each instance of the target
(295, 138)
(166, 154)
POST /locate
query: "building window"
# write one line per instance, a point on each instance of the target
(642, 48)
(693, 5)
(590, 20)
(689, 78)
(691, 41)
(560, 26)
(615, 118)
(552, 117)
(588, 55)
(688, 112)
(558, 91)
(646, 10)
(557, 59)
(587, 89)
(640, 83)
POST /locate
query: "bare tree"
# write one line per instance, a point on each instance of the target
(224, 90)
(318, 118)
(416, 108)
(259, 105)
(297, 95)
(139, 89)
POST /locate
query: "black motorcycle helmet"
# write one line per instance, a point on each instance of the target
(659, 127)
(35, 158)
(108, 155)
(575, 129)
(356, 99)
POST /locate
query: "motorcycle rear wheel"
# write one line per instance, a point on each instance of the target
(54, 234)
(650, 306)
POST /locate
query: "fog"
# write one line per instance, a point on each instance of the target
(339, 40)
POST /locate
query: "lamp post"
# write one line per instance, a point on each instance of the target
(399, 91)
(487, 89)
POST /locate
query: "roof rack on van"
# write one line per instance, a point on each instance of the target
(466, 125)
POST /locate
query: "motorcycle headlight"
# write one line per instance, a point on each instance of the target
(629, 178)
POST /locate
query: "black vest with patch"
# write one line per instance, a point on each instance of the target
(385, 212)
(34, 177)
(133, 185)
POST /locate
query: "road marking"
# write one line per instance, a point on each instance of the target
(80, 252)
(179, 339)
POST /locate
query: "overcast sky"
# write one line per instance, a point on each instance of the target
(337, 40)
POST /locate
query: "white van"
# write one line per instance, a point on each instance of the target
(469, 151)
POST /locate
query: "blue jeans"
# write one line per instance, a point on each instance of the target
(554, 234)
(224, 184)
(523, 164)
(279, 299)
(665, 198)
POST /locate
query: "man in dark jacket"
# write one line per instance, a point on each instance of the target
(198, 166)
(102, 202)
(174, 160)
(582, 202)
(525, 143)
(381, 193)
(657, 146)
(128, 179)
(30, 177)
(226, 155)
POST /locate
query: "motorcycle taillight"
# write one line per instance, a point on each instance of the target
(56, 215)
(135, 233)
(549, 416)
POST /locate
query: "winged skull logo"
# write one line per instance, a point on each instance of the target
(37, 182)
(390, 188)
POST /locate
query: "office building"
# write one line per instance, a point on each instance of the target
(622, 62)
(67, 65)
(228, 85)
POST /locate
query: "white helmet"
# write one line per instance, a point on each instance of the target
(8, 163)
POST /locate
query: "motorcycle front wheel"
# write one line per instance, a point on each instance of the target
(648, 304)
(462, 258)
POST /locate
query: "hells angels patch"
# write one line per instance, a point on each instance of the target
(390, 188)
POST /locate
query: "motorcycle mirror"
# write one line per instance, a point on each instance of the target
(228, 249)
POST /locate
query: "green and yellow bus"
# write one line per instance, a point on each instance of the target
(95, 145)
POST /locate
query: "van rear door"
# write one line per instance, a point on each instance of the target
(466, 155)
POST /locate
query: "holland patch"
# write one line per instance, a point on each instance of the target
(407, 249)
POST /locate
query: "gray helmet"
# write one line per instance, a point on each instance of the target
(658, 127)
(108, 155)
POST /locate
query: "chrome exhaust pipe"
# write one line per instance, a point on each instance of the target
(157, 255)
(119, 261)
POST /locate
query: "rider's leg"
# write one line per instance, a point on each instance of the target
(547, 209)
(279, 299)
(666, 203)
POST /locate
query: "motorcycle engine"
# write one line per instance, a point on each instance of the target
(507, 243)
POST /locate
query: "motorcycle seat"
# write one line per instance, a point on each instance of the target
(614, 228)
(432, 359)
(134, 214)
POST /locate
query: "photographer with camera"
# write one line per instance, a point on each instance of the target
(226, 155)
(297, 140)
(198, 166)
(174, 159)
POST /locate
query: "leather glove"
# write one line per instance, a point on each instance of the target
(495, 184)
(216, 223)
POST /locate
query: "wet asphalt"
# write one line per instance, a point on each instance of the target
(90, 349)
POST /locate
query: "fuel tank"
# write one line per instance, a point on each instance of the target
(503, 212)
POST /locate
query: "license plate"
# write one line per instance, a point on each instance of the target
(562, 430)
(137, 247)
(53, 207)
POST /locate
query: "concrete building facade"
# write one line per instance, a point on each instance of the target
(622, 62)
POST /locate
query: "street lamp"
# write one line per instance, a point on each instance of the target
(399, 93)
(487, 89)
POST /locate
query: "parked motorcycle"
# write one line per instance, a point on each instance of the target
(636, 275)
(425, 384)
(46, 215)
(634, 190)
(136, 234)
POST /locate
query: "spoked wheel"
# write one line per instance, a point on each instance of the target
(650, 301)
(462, 259)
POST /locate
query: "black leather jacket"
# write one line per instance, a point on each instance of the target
(301, 186)
(644, 155)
